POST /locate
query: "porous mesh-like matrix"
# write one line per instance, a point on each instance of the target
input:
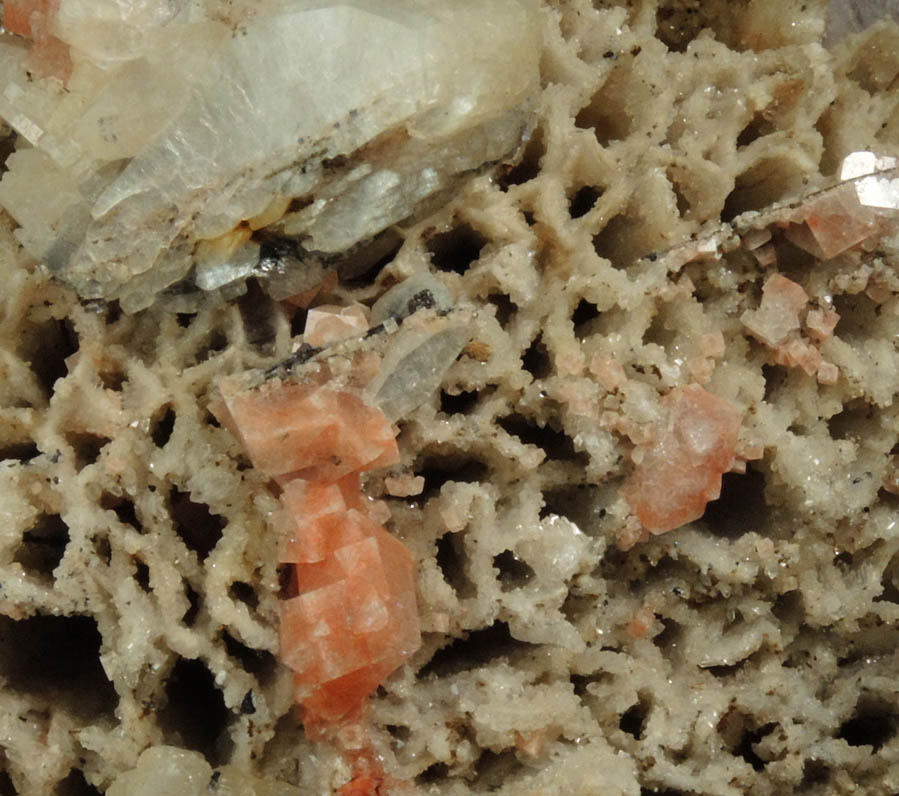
(751, 651)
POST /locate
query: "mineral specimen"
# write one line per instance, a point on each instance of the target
(324, 122)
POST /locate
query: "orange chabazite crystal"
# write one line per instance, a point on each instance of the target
(311, 431)
(319, 507)
(354, 621)
(354, 618)
(680, 468)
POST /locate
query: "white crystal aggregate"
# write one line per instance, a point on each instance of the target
(180, 123)
(873, 187)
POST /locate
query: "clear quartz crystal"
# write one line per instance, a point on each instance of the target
(180, 122)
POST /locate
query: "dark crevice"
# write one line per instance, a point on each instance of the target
(505, 308)
(788, 607)
(677, 24)
(258, 312)
(260, 663)
(248, 704)
(457, 249)
(459, 404)
(748, 740)
(527, 167)
(873, 723)
(43, 546)
(585, 312)
(195, 715)
(814, 772)
(142, 575)
(56, 659)
(436, 772)
(87, 447)
(621, 240)
(19, 451)
(579, 683)
(757, 127)
(741, 507)
(7, 147)
(245, 593)
(578, 503)
(577, 606)
(51, 343)
(856, 421)
(668, 638)
(6, 786)
(556, 444)
(774, 377)
(453, 563)
(890, 581)
(217, 342)
(858, 315)
(633, 720)
(605, 113)
(512, 571)
(197, 526)
(495, 769)
(298, 321)
(102, 548)
(76, 785)
(583, 200)
(477, 648)
(439, 468)
(683, 204)
(536, 359)
(726, 670)
(112, 378)
(163, 427)
(124, 509)
(193, 607)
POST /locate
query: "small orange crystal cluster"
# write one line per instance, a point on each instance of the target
(354, 617)
(778, 324)
(679, 470)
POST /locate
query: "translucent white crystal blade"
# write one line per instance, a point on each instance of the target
(362, 110)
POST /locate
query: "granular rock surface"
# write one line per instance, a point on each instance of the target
(749, 651)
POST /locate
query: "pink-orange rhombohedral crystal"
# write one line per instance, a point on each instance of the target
(353, 619)
(678, 471)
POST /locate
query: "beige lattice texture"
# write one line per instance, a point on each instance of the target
(752, 651)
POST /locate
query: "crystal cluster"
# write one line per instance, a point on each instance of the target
(354, 617)
(164, 135)
(779, 322)
(679, 469)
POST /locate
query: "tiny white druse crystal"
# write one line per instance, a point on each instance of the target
(325, 122)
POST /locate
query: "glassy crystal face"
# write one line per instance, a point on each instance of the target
(166, 139)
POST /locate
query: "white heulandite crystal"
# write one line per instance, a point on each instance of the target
(875, 188)
(180, 121)
(882, 192)
(863, 163)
